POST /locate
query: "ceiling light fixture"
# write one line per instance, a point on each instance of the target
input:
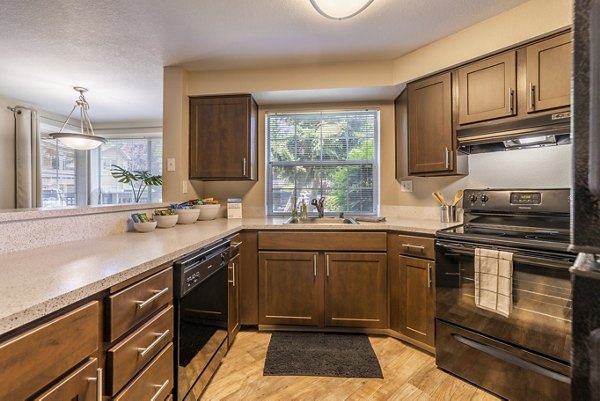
(340, 9)
(85, 139)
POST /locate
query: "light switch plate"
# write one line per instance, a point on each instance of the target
(184, 188)
(406, 186)
(170, 164)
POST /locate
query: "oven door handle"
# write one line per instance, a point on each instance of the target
(561, 264)
(512, 359)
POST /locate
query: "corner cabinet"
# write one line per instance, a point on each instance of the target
(223, 138)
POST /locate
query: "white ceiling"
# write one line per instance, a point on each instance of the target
(117, 48)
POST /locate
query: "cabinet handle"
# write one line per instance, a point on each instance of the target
(244, 166)
(160, 336)
(421, 248)
(447, 158)
(428, 275)
(531, 96)
(160, 389)
(232, 281)
(327, 264)
(157, 294)
(99, 383)
(511, 101)
(315, 265)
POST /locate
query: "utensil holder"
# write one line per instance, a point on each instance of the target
(448, 214)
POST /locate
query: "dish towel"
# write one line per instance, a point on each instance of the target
(493, 280)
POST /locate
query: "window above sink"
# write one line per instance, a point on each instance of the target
(334, 154)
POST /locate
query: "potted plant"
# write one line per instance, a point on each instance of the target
(139, 180)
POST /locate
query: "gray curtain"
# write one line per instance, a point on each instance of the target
(28, 177)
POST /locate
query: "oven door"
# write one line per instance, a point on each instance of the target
(541, 317)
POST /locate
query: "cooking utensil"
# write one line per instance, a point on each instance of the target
(440, 198)
(457, 197)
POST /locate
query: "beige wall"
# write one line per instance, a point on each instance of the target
(7, 153)
(527, 21)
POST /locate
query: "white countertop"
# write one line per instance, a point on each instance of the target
(39, 281)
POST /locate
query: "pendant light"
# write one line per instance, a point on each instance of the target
(85, 139)
(340, 9)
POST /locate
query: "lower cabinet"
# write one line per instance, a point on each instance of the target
(417, 316)
(60, 350)
(355, 290)
(233, 299)
(140, 363)
(334, 289)
(81, 385)
(290, 289)
(412, 289)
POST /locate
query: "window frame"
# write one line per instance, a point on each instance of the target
(376, 159)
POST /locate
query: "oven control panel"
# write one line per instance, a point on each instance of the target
(517, 200)
(195, 268)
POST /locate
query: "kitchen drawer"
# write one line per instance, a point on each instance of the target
(81, 385)
(36, 358)
(131, 354)
(155, 382)
(322, 241)
(135, 303)
(421, 247)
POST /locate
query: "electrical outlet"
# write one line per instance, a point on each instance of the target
(170, 164)
(184, 188)
(406, 186)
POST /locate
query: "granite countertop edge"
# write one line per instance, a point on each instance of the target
(26, 301)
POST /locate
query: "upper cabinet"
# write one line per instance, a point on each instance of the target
(549, 66)
(487, 88)
(430, 134)
(514, 84)
(223, 137)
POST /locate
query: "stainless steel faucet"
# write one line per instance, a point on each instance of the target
(320, 205)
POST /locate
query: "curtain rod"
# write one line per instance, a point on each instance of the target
(17, 109)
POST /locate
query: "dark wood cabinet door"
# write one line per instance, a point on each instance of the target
(417, 299)
(223, 141)
(487, 89)
(290, 288)
(430, 131)
(549, 66)
(233, 300)
(248, 274)
(356, 290)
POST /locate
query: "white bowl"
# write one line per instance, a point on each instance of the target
(209, 212)
(145, 227)
(187, 216)
(166, 221)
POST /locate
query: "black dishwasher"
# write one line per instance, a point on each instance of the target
(201, 317)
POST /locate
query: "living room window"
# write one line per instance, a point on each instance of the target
(334, 154)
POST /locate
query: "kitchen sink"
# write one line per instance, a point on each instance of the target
(321, 220)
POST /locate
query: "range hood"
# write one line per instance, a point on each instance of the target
(546, 130)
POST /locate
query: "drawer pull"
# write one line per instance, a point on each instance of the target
(160, 336)
(327, 258)
(99, 384)
(157, 294)
(315, 265)
(160, 389)
(421, 248)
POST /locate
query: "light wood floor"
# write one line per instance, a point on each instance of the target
(409, 374)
